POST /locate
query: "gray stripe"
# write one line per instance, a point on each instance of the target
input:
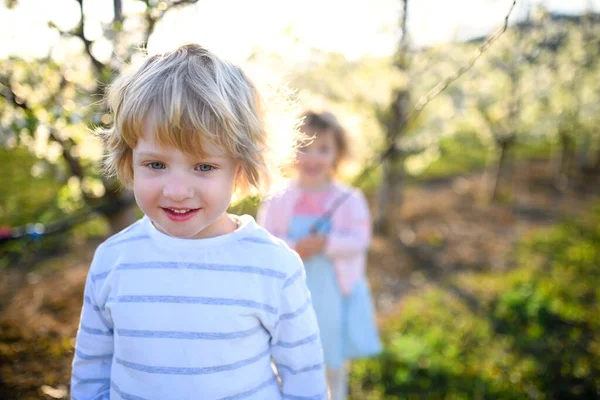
(293, 278)
(299, 311)
(98, 310)
(206, 267)
(290, 345)
(124, 395)
(101, 275)
(188, 335)
(193, 371)
(125, 240)
(88, 300)
(119, 235)
(250, 392)
(94, 331)
(215, 301)
(115, 242)
(293, 371)
(90, 380)
(124, 231)
(322, 396)
(105, 391)
(84, 356)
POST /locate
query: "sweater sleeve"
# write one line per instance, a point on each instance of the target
(90, 378)
(356, 236)
(296, 344)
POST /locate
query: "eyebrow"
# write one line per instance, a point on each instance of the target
(150, 154)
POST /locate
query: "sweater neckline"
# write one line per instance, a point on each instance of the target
(245, 226)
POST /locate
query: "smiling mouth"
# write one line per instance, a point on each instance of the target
(180, 214)
(312, 170)
(180, 210)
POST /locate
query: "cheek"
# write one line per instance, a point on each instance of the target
(328, 158)
(300, 157)
(145, 189)
(219, 188)
(333, 157)
(300, 161)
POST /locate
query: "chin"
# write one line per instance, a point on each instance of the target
(181, 233)
(317, 181)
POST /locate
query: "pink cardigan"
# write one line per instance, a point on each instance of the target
(350, 235)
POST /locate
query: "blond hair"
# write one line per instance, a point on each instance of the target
(191, 96)
(314, 123)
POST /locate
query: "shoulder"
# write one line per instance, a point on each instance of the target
(125, 240)
(353, 196)
(272, 250)
(342, 187)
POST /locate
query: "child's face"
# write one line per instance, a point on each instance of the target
(184, 195)
(316, 162)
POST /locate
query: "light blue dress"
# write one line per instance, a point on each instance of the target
(347, 323)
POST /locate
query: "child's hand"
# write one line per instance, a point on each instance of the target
(310, 246)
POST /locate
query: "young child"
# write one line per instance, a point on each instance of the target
(190, 302)
(335, 255)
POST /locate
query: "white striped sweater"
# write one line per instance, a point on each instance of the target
(168, 318)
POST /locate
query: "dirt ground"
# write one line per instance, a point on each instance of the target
(442, 228)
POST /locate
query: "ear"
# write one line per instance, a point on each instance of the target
(241, 183)
(239, 174)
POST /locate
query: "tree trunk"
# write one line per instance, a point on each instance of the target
(596, 164)
(566, 159)
(390, 190)
(390, 195)
(392, 182)
(504, 147)
(583, 153)
(383, 195)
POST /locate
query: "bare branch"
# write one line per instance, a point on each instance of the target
(443, 84)
(10, 96)
(79, 32)
(74, 165)
(392, 148)
(401, 61)
(118, 7)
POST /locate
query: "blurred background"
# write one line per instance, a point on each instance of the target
(486, 263)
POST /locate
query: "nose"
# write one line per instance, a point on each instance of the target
(177, 188)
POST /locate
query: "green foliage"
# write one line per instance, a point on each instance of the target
(247, 205)
(458, 154)
(533, 333)
(28, 186)
(534, 149)
(433, 351)
(33, 191)
(553, 313)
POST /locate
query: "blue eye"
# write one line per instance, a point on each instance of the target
(204, 168)
(156, 165)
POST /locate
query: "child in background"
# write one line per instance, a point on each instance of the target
(335, 255)
(191, 302)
